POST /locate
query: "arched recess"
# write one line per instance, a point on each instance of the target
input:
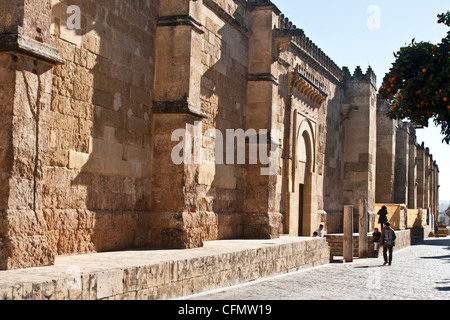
(304, 143)
(301, 195)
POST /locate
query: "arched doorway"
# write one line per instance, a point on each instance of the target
(301, 194)
(304, 172)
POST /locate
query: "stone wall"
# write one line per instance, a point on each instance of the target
(401, 164)
(93, 115)
(223, 93)
(97, 183)
(26, 60)
(360, 139)
(406, 171)
(386, 151)
(417, 218)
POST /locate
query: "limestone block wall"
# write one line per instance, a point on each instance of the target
(412, 171)
(97, 183)
(417, 218)
(310, 94)
(386, 151)
(223, 90)
(360, 141)
(333, 175)
(401, 164)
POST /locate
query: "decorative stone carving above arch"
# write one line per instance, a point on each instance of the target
(309, 86)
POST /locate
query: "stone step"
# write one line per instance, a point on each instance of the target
(163, 274)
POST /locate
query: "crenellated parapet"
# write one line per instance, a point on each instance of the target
(304, 45)
(358, 75)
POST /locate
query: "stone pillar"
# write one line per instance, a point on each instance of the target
(360, 142)
(363, 229)
(401, 164)
(262, 216)
(386, 145)
(420, 175)
(412, 169)
(348, 234)
(26, 60)
(426, 184)
(178, 220)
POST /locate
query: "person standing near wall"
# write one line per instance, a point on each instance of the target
(382, 219)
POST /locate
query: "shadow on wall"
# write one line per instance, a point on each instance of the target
(333, 164)
(97, 190)
(223, 95)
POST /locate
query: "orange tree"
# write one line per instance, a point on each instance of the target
(418, 84)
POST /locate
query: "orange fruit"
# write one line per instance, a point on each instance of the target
(445, 99)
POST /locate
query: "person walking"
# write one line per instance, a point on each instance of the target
(388, 242)
(382, 219)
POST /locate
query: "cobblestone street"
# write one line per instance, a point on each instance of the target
(418, 272)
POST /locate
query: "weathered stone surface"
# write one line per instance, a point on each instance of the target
(88, 116)
(164, 274)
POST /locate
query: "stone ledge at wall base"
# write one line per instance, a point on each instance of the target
(335, 241)
(163, 274)
(416, 218)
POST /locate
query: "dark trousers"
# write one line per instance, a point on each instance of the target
(385, 253)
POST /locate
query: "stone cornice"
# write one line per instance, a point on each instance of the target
(18, 43)
(264, 4)
(178, 107)
(180, 20)
(306, 84)
(262, 77)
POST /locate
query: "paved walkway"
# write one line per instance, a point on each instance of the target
(418, 272)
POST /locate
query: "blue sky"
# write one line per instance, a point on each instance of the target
(341, 30)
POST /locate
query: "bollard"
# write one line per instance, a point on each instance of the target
(348, 233)
(363, 244)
